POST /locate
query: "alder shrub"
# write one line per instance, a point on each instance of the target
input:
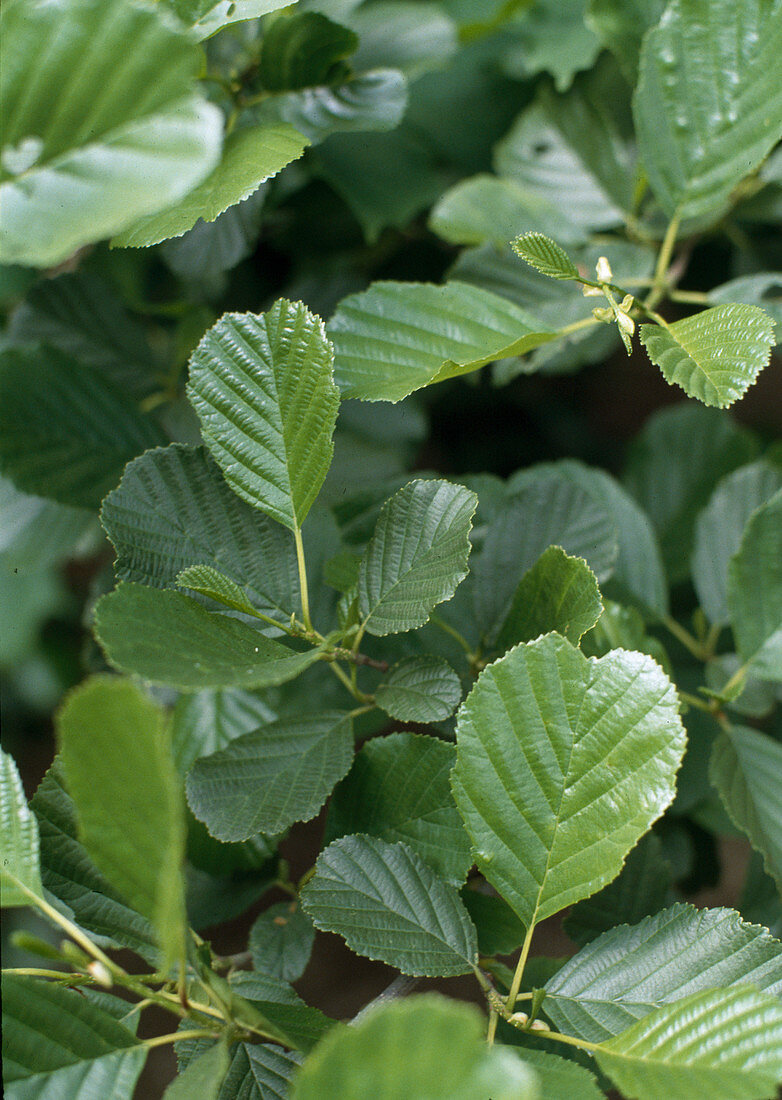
(514, 696)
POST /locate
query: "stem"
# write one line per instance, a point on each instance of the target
(688, 641)
(696, 701)
(73, 931)
(712, 638)
(493, 1017)
(345, 680)
(448, 629)
(735, 679)
(659, 284)
(178, 1036)
(516, 983)
(697, 297)
(305, 596)
(582, 1044)
(586, 322)
(56, 975)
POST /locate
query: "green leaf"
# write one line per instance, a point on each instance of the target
(68, 872)
(173, 509)
(724, 1043)
(545, 255)
(281, 941)
(641, 889)
(621, 24)
(746, 769)
(271, 777)
(56, 1043)
(78, 314)
(207, 721)
(251, 155)
(66, 432)
(372, 101)
(209, 582)
(210, 248)
(398, 790)
(558, 593)
(417, 555)
(420, 689)
(263, 390)
(83, 155)
(500, 931)
(397, 337)
(553, 38)
(18, 838)
(209, 17)
(708, 106)
(719, 530)
(714, 355)
(168, 638)
(487, 208)
(543, 508)
(203, 1077)
(562, 764)
(389, 905)
(421, 1046)
(764, 290)
(561, 1078)
(675, 463)
(410, 35)
(629, 972)
(37, 533)
(302, 1025)
(755, 591)
(258, 1071)
(303, 50)
(128, 799)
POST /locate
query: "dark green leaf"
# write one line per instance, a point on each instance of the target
(19, 836)
(390, 905)
(271, 777)
(410, 35)
(621, 24)
(281, 941)
(487, 208)
(561, 1078)
(203, 1077)
(755, 591)
(398, 790)
(303, 50)
(420, 689)
(207, 721)
(500, 931)
(280, 1004)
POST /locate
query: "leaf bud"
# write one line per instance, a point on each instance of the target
(604, 272)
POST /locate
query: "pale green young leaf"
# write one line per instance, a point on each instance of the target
(250, 156)
(69, 874)
(420, 1046)
(281, 941)
(642, 889)
(755, 591)
(203, 1077)
(420, 689)
(18, 839)
(128, 797)
(417, 555)
(205, 721)
(263, 389)
(563, 763)
(628, 972)
(746, 769)
(66, 432)
(174, 509)
(558, 593)
(210, 582)
(397, 337)
(674, 465)
(56, 1043)
(272, 776)
(389, 905)
(398, 790)
(708, 105)
(545, 255)
(110, 150)
(168, 638)
(487, 208)
(724, 1043)
(719, 529)
(714, 355)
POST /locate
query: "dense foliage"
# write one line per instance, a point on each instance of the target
(254, 259)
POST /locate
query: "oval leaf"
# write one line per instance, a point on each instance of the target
(562, 764)
(420, 689)
(545, 255)
(755, 591)
(281, 941)
(390, 905)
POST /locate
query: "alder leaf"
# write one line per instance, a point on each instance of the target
(755, 591)
(168, 638)
(545, 255)
(265, 780)
(389, 905)
(563, 762)
(281, 941)
(420, 689)
(714, 355)
(263, 389)
(628, 972)
(397, 337)
(18, 839)
(708, 105)
(746, 769)
(209, 582)
(723, 1043)
(417, 555)
(122, 132)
